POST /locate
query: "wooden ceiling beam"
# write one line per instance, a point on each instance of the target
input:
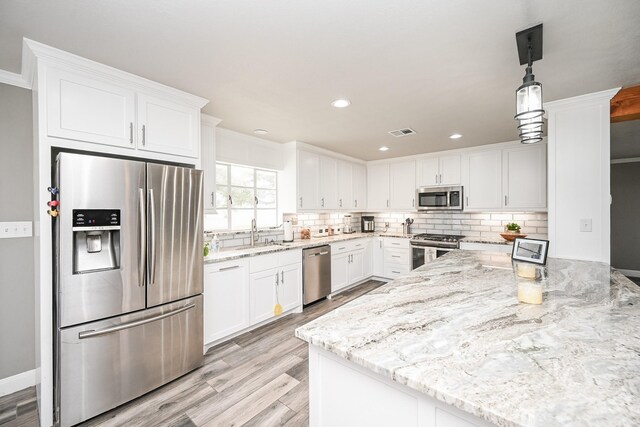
(626, 105)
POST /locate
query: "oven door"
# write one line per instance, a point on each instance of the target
(421, 255)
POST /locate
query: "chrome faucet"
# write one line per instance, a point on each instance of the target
(254, 232)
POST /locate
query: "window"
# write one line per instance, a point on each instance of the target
(244, 193)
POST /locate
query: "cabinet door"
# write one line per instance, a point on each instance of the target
(308, 180)
(359, 176)
(356, 266)
(345, 185)
(403, 185)
(525, 177)
(378, 257)
(427, 172)
(263, 294)
(208, 144)
(86, 108)
(450, 168)
(226, 300)
(378, 186)
(290, 286)
(168, 127)
(368, 257)
(339, 271)
(484, 186)
(328, 183)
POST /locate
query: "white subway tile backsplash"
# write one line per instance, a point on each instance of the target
(502, 216)
(490, 222)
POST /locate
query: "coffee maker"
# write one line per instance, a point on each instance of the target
(367, 224)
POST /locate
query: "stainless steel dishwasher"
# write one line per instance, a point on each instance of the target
(316, 273)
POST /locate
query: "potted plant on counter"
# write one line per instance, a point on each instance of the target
(512, 231)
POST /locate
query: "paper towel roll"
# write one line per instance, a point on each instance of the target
(288, 232)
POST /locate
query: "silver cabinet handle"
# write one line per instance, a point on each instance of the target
(387, 202)
(340, 202)
(152, 215)
(131, 133)
(322, 202)
(393, 271)
(94, 333)
(144, 135)
(230, 199)
(355, 202)
(467, 200)
(506, 200)
(213, 202)
(395, 243)
(341, 248)
(233, 267)
(413, 203)
(300, 201)
(359, 244)
(143, 238)
(256, 199)
(277, 279)
(282, 276)
(436, 178)
(440, 178)
(395, 256)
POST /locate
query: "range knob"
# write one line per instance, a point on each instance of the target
(53, 203)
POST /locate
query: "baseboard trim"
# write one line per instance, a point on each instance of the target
(17, 382)
(629, 273)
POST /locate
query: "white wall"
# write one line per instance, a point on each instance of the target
(578, 149)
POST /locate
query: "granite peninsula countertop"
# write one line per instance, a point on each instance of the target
(227, 254)
(489, 240)
(454, 330)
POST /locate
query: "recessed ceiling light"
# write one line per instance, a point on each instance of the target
(383, 148)
(455, 136)
(260, 131)
(341, 103)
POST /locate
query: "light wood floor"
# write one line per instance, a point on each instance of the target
(259, 378)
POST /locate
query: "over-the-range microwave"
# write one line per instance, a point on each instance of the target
(439, 198)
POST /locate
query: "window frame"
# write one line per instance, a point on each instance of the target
(254, 189)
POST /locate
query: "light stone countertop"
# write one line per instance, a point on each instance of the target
(454, 330)
(489, 240)
(227, 254)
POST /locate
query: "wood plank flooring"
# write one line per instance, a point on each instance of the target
(257, 379)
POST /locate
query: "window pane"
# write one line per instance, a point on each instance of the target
(221, 198)
(242, 197)
(266, 198)
(241, 176)
(265, 179)
(221, 174)
(267, 218)
(241, 219)
(217, 221)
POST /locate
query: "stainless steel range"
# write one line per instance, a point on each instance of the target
(427, 247)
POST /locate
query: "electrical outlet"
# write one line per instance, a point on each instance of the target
(585, 225)
(10, 230)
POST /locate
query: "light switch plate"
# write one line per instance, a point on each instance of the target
(585, 225)
(10, 230)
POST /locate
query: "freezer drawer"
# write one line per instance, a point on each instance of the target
(107, 363)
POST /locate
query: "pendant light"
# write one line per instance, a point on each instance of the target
(529, 109)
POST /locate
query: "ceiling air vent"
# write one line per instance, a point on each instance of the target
(402, 132)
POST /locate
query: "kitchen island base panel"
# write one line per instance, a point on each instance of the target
(342, 393)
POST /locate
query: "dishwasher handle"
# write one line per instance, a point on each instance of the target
(319, 253)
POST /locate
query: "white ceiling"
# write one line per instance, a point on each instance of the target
(436, 66)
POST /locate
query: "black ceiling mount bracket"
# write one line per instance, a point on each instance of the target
(529, 37)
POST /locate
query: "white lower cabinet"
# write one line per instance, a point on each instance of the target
(226, 299)
(396, 257)
(377, 257)
(274, 278)
(349, 264)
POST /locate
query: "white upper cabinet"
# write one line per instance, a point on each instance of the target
(168, 127)
(208, 155)
(450, 170)
(378, 186)
(402, 184)
(524, 177)
(328, 183)
(346, 185)
(359, 180)
(308, 180)
(483, 189)
(444, 170)
(87, 108)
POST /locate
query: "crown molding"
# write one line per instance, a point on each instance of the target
(209, 120)
(35, 52)
(589, 98)
(14, 79)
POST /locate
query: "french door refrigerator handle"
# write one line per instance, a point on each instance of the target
(152, 261)
(94, 333)
(143, 238)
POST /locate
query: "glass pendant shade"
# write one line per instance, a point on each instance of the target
(529, 101)
(530, 124)
(532, 140)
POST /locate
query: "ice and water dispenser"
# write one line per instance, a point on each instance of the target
(96, 240)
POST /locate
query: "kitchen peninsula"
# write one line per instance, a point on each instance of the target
(449, 344)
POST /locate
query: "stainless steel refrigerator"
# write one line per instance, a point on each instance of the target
(128, 278)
